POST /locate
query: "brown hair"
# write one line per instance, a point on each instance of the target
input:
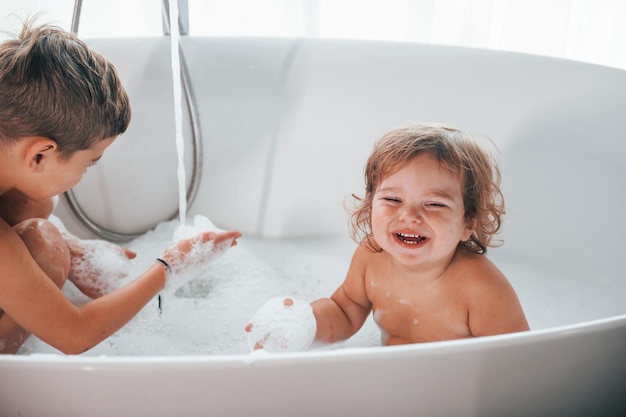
(53, 85)
(458, 151)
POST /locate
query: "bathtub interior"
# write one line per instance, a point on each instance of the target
(286, 125)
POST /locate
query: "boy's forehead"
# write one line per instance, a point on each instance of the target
(96, 150)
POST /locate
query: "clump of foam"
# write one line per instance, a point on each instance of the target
(98, 267)
(282, 324)
(207, 316)
(187, 265)
(200, 224)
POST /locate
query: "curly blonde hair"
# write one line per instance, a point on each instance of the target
(458, 151)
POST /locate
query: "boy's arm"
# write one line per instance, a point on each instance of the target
(342, 315)
(32, 300)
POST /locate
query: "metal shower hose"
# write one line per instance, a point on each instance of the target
(197, 147)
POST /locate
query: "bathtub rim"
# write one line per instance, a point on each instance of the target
(354, 353)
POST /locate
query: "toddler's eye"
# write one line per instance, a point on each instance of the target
(392, 199)
(436, 205)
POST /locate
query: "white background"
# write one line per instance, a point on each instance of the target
(585, 30)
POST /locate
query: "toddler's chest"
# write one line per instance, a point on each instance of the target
(417, 314)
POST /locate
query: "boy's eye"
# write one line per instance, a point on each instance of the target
(436, 205)
(392, 199)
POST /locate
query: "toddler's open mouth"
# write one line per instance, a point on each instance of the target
(410, 239)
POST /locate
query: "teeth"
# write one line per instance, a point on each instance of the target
(411, 239)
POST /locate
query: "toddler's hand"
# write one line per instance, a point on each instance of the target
(97, 266)
(188, 258)
(282, 324)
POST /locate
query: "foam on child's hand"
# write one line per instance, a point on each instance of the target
(186, 267)
(102, 266)
(282, 324)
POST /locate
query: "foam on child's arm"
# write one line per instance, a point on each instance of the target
(282, 324)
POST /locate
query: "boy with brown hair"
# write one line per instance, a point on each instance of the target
(61, 106)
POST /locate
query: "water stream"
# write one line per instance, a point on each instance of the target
(178, 109)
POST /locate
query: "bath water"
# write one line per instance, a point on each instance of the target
(209, 315)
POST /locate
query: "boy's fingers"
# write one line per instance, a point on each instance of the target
(185, 245)
(208, 236)
(228, 235)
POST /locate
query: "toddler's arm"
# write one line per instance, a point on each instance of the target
(342, 315)
(285, 324)
(493, 305)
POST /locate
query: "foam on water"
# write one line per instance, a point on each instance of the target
(209, 314)
(282, 324)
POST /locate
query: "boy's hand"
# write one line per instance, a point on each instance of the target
(97, 266)
(282, 324)
(187, 258)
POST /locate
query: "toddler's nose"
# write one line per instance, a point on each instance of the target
(411, 214)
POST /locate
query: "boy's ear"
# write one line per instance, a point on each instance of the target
(37, 151)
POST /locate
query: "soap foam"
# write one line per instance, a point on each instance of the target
(186, 267)
(282, 324)
(208, 314)
(106, 260)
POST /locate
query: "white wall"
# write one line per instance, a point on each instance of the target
(586, 30)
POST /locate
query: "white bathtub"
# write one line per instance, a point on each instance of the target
(286, 126)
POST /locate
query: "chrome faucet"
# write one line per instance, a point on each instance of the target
(183, 16)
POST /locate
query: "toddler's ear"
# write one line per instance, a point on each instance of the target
(470, 226)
